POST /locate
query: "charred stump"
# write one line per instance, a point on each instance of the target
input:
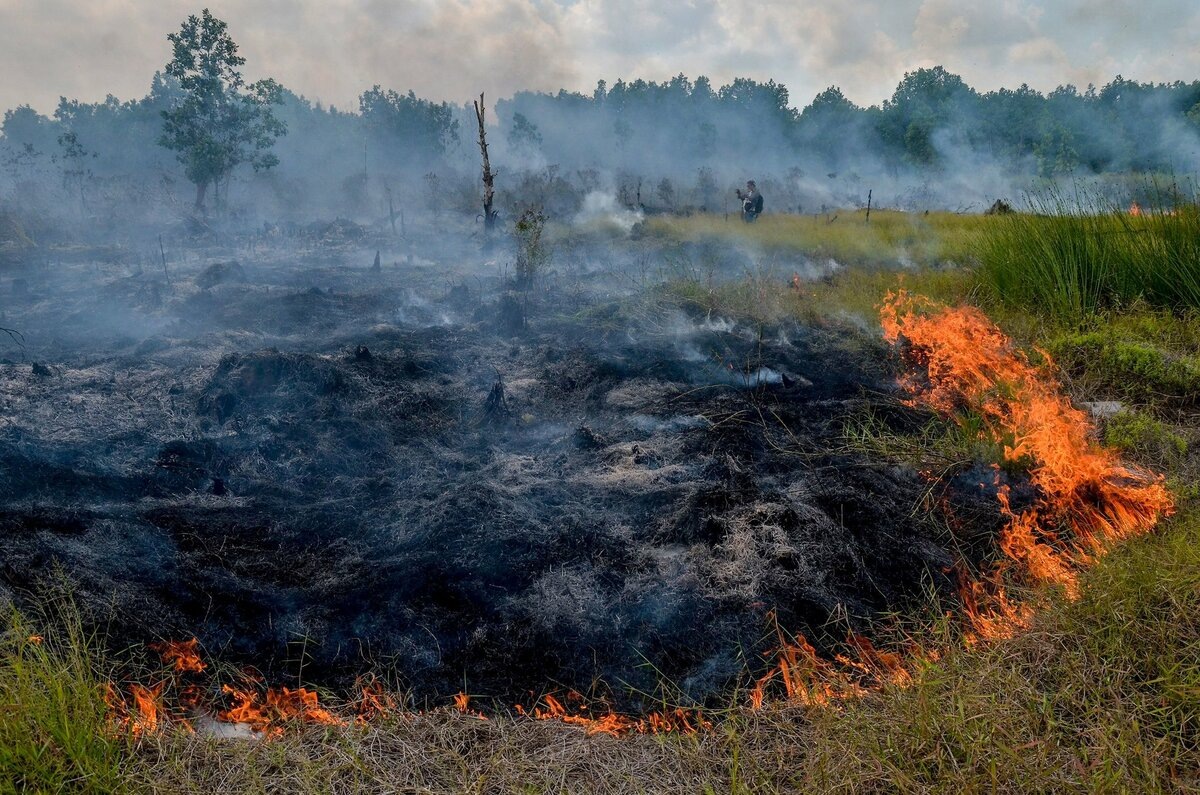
(495, 407)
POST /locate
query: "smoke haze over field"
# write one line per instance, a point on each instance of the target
(333, 49)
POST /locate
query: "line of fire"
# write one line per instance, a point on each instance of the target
(313, 419)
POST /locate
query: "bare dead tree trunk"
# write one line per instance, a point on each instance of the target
(489, 191)
(391, 209)
(162, 252)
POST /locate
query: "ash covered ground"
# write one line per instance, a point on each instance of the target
(308, 463)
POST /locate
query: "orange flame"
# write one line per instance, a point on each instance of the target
(1087, 498)
(374, 701)
(141, 714)
(182, 655)
(678, 720)
(281, 706)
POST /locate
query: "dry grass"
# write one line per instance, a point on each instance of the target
(889, 238)
(446, 752)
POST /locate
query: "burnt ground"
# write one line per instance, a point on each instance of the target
(305, 462)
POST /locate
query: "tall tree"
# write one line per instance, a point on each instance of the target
(219, 122)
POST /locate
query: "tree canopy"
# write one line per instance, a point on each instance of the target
(218, 121)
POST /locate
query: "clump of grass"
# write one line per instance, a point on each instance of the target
(54, 730)
(1069, 256)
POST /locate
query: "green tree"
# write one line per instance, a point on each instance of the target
(405, 127)
(524, 134)
(926, 100)
(219, 122)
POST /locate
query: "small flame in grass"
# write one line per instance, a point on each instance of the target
(142, 713)
(811, 680)
(181, 655)
(990, 613)
(678, 720)
(374, 701)
(462, 703)
(280, 707)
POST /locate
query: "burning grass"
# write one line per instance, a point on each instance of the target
(966, 369)
(1099, 694)
(1086, 697)
(1087, 498)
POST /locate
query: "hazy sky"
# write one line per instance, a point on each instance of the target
(451, 49)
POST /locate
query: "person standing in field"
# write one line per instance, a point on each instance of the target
(752, 202)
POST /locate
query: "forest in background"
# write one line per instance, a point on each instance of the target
(672, 146)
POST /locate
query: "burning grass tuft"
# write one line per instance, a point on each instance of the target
(1088, 499)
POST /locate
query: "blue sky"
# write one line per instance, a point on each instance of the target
(451, 49)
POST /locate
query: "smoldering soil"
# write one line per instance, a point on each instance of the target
(313, 465)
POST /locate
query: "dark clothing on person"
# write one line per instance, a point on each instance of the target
(752, 205)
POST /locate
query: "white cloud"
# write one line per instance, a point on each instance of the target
(451, 49)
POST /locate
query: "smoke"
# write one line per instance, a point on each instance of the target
(601, 208)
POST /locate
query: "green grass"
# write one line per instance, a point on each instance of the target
(856, 293)
(54, 735)
(890, 238)
(1129, 369)
(1072, 256)
(1101, 695)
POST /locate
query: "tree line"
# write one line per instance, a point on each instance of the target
(202, 119)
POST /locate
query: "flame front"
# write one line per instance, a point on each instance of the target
(182, 656)
(678, 720)
(1087, 498)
